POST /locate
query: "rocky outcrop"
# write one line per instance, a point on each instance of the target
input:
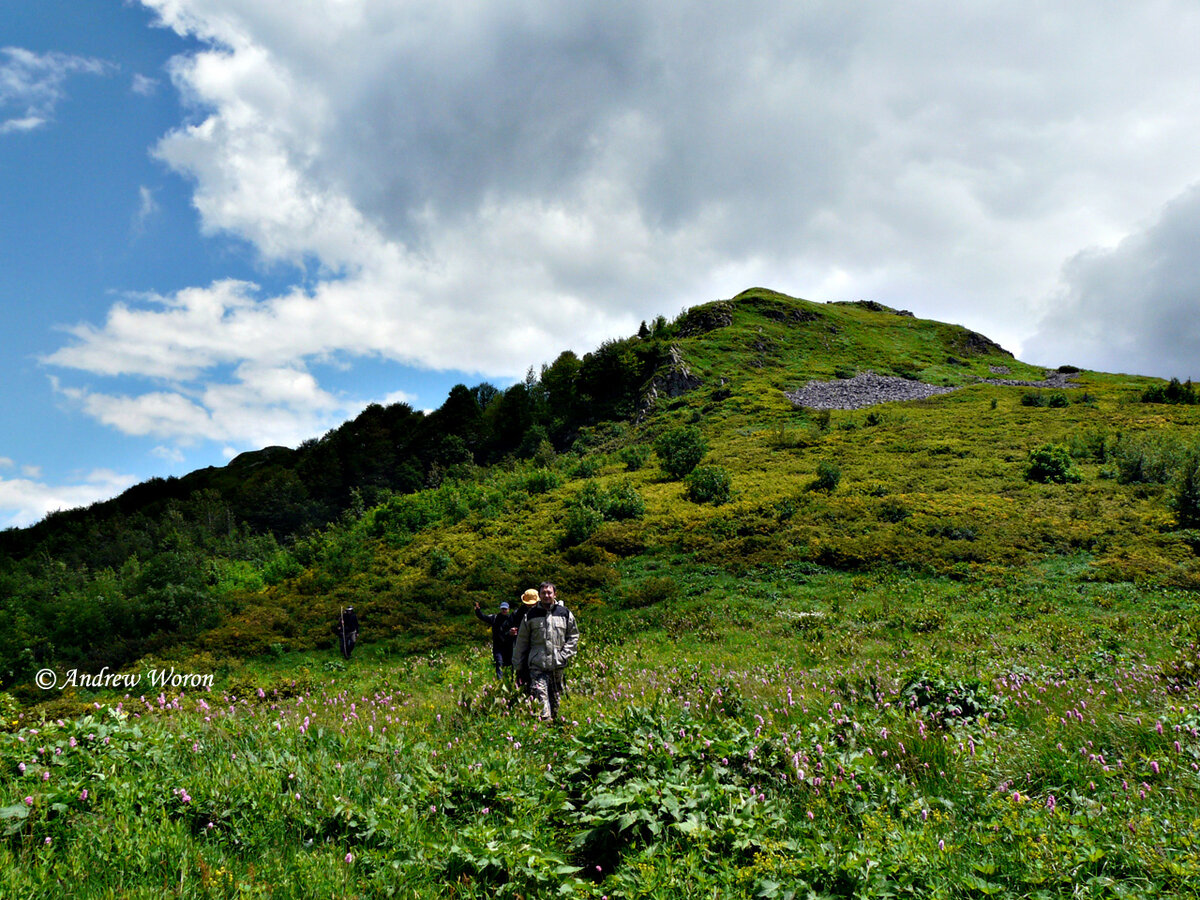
(706, 318)
(874, 306)
(673, 379)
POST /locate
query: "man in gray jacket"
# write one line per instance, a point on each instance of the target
(546, 643)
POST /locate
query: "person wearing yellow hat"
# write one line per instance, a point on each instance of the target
(529, 600)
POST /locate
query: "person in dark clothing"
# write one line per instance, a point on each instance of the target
(502, 640)
(347, 631)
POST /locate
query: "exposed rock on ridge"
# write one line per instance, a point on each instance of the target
(673, 379)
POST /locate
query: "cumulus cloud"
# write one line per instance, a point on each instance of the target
(32, 85)
(487, 185)
(1134, 307)
(27, 500)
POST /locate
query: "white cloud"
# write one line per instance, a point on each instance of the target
(31, 85)
(143, 85)
(486, 186)
(26, 500)
(262, 406)
(147, 208)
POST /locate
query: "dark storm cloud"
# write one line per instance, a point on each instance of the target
(1133, 308)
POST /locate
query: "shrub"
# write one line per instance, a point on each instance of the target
(828, 476)
(1058, 401)
(544, 456)
(580, 523)
(587, 467)
(1174, 392)
(649, 591)
(1034, 398)
(1051, 463)
(439, 562)
(1146, 458)
(893, 510)
(542, 481)
(634, 457)
(680, 450)
(708, 484)
(1186, 499)
(281, 567)
(622, 501)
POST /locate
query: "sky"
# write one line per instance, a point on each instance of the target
(228, 224)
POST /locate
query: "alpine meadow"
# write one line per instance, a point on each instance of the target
(868, 608)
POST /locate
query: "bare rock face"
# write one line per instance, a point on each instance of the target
(673, 379)
(976, 343)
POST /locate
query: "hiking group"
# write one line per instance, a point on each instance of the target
(537, 640)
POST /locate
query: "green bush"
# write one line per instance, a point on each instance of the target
(1147, 458)
(708, 484)
(1051, 463)
(588, 467)
(649, 591)
(1174, 392)
(580, 523)
(634, 457)
(1186, 499)
(281, 567)
(893, 510)
(622, 501)
(542, 481)
(828, 476)
(680, 450)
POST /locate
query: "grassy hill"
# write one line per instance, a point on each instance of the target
(943, 647)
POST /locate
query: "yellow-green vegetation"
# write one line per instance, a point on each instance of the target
(937, 648)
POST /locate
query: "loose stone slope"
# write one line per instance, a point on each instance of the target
(869, 389)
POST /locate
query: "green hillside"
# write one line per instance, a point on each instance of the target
(935, 647)
(557, 477)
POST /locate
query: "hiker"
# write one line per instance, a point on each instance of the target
(529, 600)
(502, 640)
(346, 629)
(548, 639)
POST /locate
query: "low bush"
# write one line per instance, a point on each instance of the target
(1051, 464)
(828, 476)
(708, 484)
(634, 456)
(650, 591)
(680, 450)
(580, 523)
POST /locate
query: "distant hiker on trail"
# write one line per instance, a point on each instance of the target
(502, 639)
(529, 600)
(346, 629)
(548, 639)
